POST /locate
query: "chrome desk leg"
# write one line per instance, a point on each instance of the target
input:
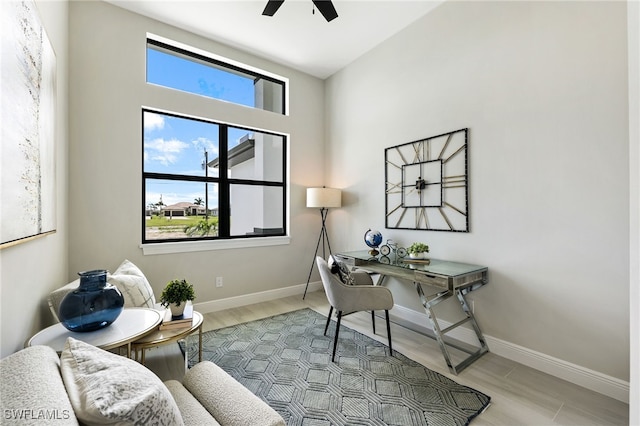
(428, 307)
(429, 304)
(472, 319)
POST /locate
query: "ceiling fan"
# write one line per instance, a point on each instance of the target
(324, 6)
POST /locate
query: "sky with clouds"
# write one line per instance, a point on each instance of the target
(177, 145)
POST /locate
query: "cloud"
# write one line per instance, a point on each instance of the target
(205, 144)
(210, 89)
(171, 145)
(164, 151)
(153, 121)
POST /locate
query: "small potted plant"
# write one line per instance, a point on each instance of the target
(418, 250)
(175, 295)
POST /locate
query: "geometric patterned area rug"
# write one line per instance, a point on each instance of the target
(286, 361)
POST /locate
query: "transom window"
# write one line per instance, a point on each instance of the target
(196, 73)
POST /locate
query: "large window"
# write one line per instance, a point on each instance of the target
(204, 179)
(207, 180)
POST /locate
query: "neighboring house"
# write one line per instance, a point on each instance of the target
(186, 209)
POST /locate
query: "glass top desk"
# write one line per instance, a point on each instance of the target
(449, 278)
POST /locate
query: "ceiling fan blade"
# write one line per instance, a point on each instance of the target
(272, 7)
(326, 8)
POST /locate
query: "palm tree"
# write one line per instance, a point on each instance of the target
(156, 207)
(160, 204)
(203, 228)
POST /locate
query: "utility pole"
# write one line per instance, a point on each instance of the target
(206, 185)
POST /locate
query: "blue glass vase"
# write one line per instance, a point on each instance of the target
(93, 305)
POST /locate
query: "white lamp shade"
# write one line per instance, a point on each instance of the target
(324, 197)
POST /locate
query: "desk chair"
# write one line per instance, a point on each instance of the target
(353, 298)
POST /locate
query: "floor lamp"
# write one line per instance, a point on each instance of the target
(323, 199)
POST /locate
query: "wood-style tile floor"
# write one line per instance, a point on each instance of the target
(519, 395)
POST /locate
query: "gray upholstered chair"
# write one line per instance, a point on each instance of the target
(353, 298)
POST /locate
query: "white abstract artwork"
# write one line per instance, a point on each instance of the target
(27, 111)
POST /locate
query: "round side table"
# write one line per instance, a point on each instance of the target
(163, 337)
(132, 324)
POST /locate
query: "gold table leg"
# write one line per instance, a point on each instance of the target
(200, 343)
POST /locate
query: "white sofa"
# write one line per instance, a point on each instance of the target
(38, 387)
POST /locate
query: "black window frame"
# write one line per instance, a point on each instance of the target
(231, 67)
(223, 181)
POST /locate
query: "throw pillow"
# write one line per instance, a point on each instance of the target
(56, 296)
(133, 285)
(341, 270)
(105, 388)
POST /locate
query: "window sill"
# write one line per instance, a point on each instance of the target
(191, 246)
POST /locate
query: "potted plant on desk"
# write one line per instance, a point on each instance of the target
(175, 296)
(418, 251)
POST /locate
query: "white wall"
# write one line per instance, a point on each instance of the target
(542, 86)
(107, 68)
(31, 270)
(633, 22)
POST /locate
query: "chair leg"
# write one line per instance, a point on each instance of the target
(373, 321)
(388, 332)
(335, 340)
(328, 321)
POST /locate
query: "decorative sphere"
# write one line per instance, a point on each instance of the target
(373, 238)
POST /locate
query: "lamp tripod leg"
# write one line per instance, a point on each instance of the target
(323, 235)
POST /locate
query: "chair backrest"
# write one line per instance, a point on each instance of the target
(353, 298)
(333, 287)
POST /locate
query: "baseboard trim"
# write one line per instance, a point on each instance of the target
(581, 376)
(250, 299)
(576, 374)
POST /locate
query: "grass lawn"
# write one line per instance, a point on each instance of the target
(182, 221)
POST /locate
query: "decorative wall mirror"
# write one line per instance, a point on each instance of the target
(426, 184)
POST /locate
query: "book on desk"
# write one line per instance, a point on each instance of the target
(184, 321)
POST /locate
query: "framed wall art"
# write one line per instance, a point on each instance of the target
(426, 184)
(27, 157)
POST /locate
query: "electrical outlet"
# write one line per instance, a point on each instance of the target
(218, 281)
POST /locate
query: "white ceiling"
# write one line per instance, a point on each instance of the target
(294, 36)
